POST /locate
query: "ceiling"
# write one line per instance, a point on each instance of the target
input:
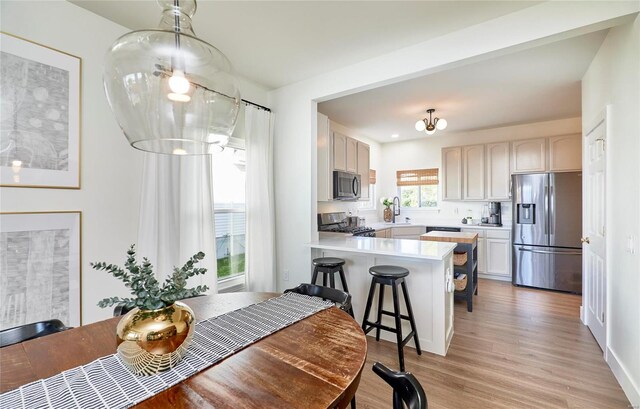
(537, 84)
(275, 43)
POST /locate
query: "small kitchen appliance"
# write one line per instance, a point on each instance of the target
(346, 185)
(338, 222)
(495, 215)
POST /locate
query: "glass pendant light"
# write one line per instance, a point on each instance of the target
(170, 91)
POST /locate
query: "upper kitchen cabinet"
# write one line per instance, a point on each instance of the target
(363, 169)
(565, 153)
(529, 155)
(473, 172)
(352, 155)
(498, 180)
(340, 152)
(452, 173)
(337, 151)
(345, 153)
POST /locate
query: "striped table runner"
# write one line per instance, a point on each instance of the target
(107, 383)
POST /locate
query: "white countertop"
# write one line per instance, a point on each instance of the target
(383, 225)
(426, 250)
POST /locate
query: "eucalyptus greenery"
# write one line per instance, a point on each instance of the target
(147, 292)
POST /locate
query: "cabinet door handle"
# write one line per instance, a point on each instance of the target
(560, 253)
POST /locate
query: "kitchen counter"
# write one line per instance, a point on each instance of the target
(469, 226)
(389, 247)
(429, 284)
(384, 225)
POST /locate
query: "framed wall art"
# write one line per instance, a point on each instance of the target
(39, 115)
(40, 268)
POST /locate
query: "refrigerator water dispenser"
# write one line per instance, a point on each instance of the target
(526, 213)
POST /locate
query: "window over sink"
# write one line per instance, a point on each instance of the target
(418, 188)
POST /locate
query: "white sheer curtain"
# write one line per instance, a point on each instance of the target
(260, 257)
(176, 214)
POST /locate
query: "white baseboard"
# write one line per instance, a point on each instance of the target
(582, 316)
(630, 389)
(492, 277)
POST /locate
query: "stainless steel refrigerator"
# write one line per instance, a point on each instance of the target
(547, 226)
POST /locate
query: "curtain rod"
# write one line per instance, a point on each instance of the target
(256, 105)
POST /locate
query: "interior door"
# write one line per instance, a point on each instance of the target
(594, 262)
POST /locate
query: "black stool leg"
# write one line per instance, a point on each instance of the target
(332, 278)
(367, 309)
(315, 275)
(396, 313)
(324, 277)
(380, 303)
(344, 280)
(353, 403)
(411, 319)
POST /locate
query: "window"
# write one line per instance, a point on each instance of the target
(229, 209)
(418, 188)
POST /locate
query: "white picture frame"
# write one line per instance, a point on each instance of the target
(40, 272)
(40, 115)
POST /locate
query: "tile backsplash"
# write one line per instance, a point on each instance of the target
(447, 212)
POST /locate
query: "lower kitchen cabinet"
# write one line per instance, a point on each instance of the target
(494, 253)
(498, 257)
(408, 232)
(383, 234)
(482, 256)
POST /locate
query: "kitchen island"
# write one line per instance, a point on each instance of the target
(429, 282)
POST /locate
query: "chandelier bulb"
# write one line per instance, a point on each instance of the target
(441, 123)
(420, 125)
(178, 83)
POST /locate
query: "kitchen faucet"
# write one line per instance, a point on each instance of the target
(396, 208)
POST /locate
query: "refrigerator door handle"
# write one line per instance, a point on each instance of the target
(552, 205)
(546, 210)
(560, 253)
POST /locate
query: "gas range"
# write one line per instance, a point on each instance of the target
(356, 231)
(337, 223)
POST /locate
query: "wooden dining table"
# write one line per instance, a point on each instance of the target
(314, 363)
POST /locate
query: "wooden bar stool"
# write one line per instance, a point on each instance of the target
(392, 276)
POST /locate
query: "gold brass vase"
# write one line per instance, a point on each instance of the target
(152, 341)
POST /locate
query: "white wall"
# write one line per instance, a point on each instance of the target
(296, 105)
(613, 78)
(426, 153)
(111, 171)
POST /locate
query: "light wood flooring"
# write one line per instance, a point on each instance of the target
(519, 348)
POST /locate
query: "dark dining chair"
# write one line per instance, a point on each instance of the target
(406, 388)
(26, 332)
(339, 297)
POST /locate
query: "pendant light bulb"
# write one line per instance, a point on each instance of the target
(441, 123)
(430, 132)
(420, 126)
(178, 83)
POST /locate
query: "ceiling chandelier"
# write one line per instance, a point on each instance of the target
(170, 91)
(430, 125)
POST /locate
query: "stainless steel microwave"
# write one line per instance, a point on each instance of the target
(346, 185)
